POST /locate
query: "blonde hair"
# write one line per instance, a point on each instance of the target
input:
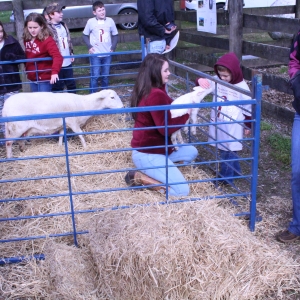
(39, 19)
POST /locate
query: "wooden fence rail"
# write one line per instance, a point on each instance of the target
(253, 19)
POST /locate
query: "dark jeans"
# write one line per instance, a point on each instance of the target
(229, 168)
(66, 77)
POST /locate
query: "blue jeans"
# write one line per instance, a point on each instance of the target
(100, 66)
(294, 226)
(44, 86)
(156, 47)
(229, 168)
(66, 77)
(146, 160)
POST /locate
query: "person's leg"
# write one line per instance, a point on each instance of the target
(58, 86)
(157, 46)
(105, 69)
(227, 167)
(95, 72)
(145, 160)
(69, 79)
(185, 154)
(237, 171)
(295, 183)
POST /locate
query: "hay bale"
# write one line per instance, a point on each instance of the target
(71, 272)
(24, 281)
(188, 251)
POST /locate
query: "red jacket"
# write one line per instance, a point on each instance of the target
(155, 137)
(42, 49)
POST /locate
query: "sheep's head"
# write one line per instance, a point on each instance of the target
(110, 99)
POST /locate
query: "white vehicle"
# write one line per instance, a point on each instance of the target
(193, 4)
(86, 11)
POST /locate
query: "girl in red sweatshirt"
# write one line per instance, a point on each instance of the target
(40, 44)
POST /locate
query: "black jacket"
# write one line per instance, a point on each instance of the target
(153, 15)
(11, 50)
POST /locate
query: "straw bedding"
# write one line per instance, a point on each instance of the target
(188, 256)
(188, 251)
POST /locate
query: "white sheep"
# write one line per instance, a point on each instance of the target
(46, 103)
(196, 96)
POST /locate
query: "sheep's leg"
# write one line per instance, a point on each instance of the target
(21, 145)
(174, 139)
(8, 149)
(76, 129)
(193, 117)
(179, 137)
(186, 128)
(60, 139)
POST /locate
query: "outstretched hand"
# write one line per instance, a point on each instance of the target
(204, 83)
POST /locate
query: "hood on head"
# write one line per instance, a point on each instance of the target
(232, 63)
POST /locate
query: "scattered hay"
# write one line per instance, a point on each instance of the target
(189, 251)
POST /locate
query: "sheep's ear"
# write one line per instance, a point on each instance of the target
(103, 94)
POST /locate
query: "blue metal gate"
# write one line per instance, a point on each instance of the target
(208, 161)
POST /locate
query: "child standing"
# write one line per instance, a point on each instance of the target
(101, 36)
(39, 43)
(228, 69)
(62, 38)
(10, 82)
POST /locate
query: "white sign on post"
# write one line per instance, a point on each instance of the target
(207, 16)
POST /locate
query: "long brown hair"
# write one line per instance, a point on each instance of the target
(38, 18)
(149, 76)
(4, 32)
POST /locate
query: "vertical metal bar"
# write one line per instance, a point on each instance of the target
(167, 155)
(70, 184)
(257, 84)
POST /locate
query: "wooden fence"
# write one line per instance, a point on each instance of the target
(228, 38)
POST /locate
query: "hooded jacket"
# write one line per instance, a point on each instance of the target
(232, 63)
(153, 15)
(45, 68)
(9, 73)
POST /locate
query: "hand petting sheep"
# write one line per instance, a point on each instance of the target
(196, 96)
(23, 104)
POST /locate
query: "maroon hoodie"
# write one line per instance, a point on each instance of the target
(232, 63)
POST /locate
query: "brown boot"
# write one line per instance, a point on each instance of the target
(137, 178)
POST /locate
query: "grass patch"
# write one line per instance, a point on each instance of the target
(283, 70)
(4, 16)
(281, 146)
(264, 126)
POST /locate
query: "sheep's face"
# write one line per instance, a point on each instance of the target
(110, 99)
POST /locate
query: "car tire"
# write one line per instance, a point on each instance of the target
(220, 5)
(128, 26)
